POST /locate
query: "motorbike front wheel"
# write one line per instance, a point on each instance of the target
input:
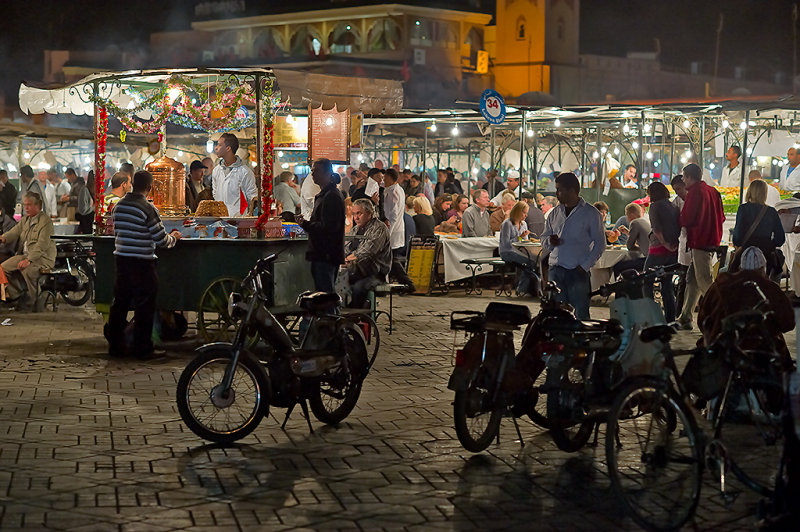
(84, 276)
(565, 390)
(335, 395)
(476, 421)
(213, 414)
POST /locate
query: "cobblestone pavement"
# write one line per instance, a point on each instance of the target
(88, 443)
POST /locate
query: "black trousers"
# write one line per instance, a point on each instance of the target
(84, 223)
(135, 287)
(398, 271)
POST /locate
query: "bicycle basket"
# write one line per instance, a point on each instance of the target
(705, 374)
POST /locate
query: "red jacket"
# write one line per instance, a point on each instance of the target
(702, 216)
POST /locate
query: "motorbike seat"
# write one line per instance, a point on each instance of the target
(657, 332)
(318, 301)
(508, 314)
(611, 327)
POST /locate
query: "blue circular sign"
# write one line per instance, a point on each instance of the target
(493, 108)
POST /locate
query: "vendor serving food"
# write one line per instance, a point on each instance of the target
(232, 179)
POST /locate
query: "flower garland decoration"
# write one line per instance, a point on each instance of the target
(186, 110)
(272, 102)
(100, 165)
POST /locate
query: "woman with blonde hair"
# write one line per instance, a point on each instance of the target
(758, 224)
(423, 218)
(514, 229)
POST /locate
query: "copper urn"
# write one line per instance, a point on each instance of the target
(169, 186)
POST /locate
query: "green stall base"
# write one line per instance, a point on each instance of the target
(186, 270)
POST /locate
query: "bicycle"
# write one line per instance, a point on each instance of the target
(658, 478)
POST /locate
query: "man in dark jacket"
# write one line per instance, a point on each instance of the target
(194, 185)
(8, 194)
(369, 258)
(702, 216)
(325, 228)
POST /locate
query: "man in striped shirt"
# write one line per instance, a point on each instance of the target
(138, 231)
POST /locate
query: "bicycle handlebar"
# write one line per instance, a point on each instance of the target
(638, 278)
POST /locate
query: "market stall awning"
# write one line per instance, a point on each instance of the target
(301, 89)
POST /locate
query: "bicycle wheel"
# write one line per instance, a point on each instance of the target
(476, 420)
(538, 412)
(213, 415)
(564, 396)
(654, 455)
(336, 394)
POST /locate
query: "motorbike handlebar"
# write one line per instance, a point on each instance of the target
(637, 278)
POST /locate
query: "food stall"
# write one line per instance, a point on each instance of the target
(218, 247)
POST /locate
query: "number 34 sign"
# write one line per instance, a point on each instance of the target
(493, 108)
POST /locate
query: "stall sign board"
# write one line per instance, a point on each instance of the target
(493, 107)
(329, 135)
(421, 262)
(290, 135)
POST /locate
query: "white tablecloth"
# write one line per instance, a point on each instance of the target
(454, 250)
(69, 228)
(602, 269)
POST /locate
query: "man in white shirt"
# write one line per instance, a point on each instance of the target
(511, 188)
(62, 190)
(232, 179)
(732, 173)
(49, 198)
(773, 196)
(790, 173)
(394, 204)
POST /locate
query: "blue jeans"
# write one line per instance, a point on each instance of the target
(324, 275)
(526, 270)
(575, 285)
(665, 284)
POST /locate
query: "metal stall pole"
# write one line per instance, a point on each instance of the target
(535, 169)
(663, 139)
(424, 154)
(639, 153)
(599, 170)
(521, 154)
(583, 154)
(671, 151)
(744, 154)
(702, 140)
(491, 149)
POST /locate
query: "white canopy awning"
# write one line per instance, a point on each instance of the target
(301, 89)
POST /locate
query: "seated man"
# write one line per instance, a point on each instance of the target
(33, 249)
(638, 242)
(500, 215)
(369, 258)
(728, 295)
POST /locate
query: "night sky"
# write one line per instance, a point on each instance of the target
(757, 34)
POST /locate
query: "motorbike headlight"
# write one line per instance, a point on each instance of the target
(233, 300)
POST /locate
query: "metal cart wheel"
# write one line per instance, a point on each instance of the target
(213, 321)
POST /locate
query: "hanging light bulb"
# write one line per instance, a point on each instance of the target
(595, 155)
(712, 166)
(683, 160)
(647, 128)
(557, 122)
(626, 128)
(774, 162)
(635, 145)
(688, 153)
(530, 132)
(743, 125)
(616, 150)
(649, 154)
(433, 126)
(27, 155)
(454, 131)
(209, 146)
(725, 124)
(686, 123)
(360, 157)
(603, 150)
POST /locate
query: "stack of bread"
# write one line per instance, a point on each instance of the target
(212, 208)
